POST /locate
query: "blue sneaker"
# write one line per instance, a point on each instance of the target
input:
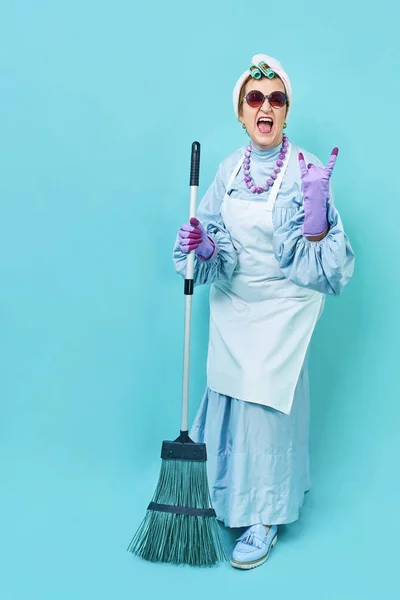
(254, 547)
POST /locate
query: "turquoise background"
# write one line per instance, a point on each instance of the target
(99, 104)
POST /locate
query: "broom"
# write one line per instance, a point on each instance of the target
(180, 525)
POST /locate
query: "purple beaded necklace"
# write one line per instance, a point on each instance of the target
(271, 179)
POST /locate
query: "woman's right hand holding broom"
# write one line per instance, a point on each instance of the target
(193, 236)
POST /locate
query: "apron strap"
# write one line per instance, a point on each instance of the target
(278, 181)
(234, 173)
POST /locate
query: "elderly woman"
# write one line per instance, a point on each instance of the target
(271, 244)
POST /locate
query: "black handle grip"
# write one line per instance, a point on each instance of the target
(195, 164)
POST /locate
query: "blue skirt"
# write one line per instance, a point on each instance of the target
(258, 457)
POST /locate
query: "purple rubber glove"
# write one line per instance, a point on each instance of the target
(315, 188)
(193, 236)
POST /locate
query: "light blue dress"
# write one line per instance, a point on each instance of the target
(258, 460)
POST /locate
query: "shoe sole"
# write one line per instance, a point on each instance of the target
(245, 566)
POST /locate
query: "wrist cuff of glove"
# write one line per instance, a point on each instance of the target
(213, 253)
(315, 222)
(312, 234)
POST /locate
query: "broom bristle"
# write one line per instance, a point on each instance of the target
(176, 538)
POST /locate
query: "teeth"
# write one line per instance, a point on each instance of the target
(265, 120)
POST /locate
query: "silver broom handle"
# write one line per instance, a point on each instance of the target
(189, 286)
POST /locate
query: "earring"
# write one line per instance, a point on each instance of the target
(243, 126)
(284, 125)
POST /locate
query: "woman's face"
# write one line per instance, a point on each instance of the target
(262, 134)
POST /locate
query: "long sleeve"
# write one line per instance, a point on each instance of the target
(221, 266)
(325, 266)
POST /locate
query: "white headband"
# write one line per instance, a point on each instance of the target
(275, 66)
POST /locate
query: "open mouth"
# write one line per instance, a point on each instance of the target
(265, 124)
